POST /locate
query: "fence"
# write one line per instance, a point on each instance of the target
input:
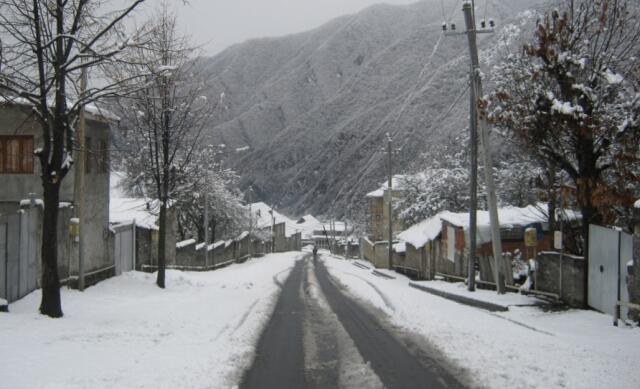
(563, 275)
(191, 255)
(19, 253)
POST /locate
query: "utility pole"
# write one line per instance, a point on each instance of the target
(390, 202)
(473, 140)
(206, 229)
(476, 87)
(250, 220)
(345, 236)
(478, 131)
(273, 230)
(79, 180)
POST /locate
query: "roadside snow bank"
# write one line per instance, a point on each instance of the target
(126, 332)
(522, 348)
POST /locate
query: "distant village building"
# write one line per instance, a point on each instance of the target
(378, 210)
(265, 222)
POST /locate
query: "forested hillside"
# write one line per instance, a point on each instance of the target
(303, 117)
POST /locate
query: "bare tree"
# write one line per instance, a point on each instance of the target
(571, 99)
(167, 115)
(226, 212)
(46, 45)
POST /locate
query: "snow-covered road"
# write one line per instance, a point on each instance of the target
(200, 332)
(319, 338)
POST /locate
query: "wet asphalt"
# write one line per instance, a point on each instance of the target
(280, 356)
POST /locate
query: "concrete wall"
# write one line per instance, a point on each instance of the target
(279, 238)
(144, 248)
(366, 248)
(419, 261)
(217, 254)
(573, 271)
(242, 249)
(353, 249)
(186, 255)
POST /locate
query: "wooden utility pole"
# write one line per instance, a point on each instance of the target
(473, 182)
(206, 230)
(478, 129)
(390, 202)
(79, 180)
(476, 91)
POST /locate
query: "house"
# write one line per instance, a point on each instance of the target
(439, 245)
(307, 225)
(266, 222)
(378, 209)
(20, 136)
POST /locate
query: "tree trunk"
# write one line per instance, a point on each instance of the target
(552, 203)
(162, 261)
(585, 187)
(50, 304)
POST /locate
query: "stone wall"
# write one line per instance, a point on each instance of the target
(573, 276)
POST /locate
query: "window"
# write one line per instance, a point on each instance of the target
(16, 154)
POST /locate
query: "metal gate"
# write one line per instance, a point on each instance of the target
(124, 250)
(18, 254)
(3, 260)
(609, 252)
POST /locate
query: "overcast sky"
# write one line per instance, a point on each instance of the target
(217, 24)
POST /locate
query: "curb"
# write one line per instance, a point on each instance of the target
(361, 266)
(461, 299)
(383, 275)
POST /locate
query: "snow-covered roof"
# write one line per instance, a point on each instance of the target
(397, 183)
(508, 216)
(310, 226)
(307, 225)
(262, 218)
(94, 112)
(427, 230)
(125, 209)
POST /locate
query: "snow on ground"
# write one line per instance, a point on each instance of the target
(522, 348)
(125, 332)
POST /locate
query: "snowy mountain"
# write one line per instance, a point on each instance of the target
(303, 117)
